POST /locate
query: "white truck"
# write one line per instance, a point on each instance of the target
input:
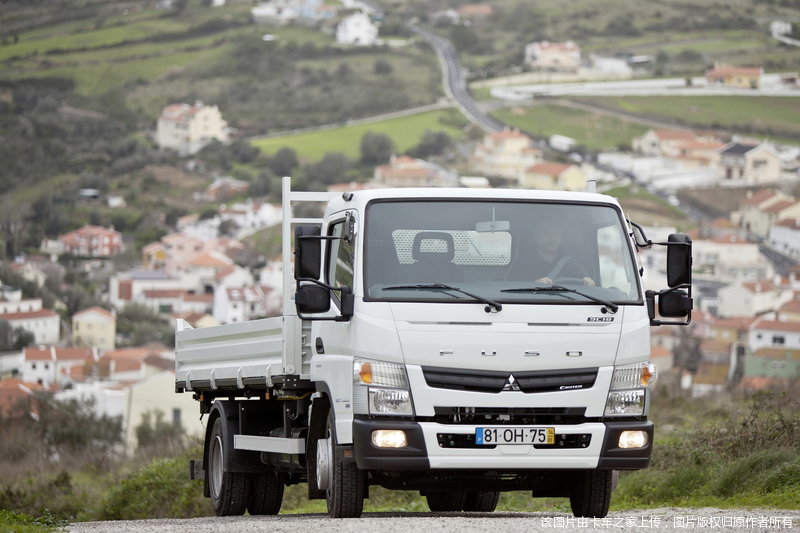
(417, 350)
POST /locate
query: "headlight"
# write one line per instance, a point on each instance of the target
(390, 402)
(381, 388)
(626, 403)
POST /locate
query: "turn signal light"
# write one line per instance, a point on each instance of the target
(365, 372)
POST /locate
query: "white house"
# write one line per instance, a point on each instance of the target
(504, 153)
(752, 216)
(188, 128)
(549, 56)
(237, 304)
(774, 334)
(751, 298)
(50, 366)
(784, 236)
(44, 324)
(251, 216)
(730, 258)
(357, 29)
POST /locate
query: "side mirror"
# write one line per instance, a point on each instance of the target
(674, 304)
(307, 252)
(679, 260)
(312, 299)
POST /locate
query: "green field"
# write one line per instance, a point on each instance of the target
(404, 131)
(773, 117)
(591, 130)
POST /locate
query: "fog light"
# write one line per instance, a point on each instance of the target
(631, 439)
(389, 438)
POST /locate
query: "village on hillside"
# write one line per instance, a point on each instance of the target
(745, 332)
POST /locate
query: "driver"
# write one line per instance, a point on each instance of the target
(550, 261)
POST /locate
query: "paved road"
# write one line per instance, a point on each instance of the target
(707, 519)
(770, 86)
(455, 85)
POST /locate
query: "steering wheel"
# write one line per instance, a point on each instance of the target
(567, 281)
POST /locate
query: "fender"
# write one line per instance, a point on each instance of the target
(234, 460)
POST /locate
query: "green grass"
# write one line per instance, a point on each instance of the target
(11, 522)
(774, 117)
(592, 130)
(404, 131)
(90, 38)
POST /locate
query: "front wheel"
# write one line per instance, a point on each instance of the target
(590, 494)
(481, 502)
(228, 489)
(444, 502)
(344, 484)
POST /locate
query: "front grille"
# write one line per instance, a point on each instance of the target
(461, 440)
(510, 415)
(529, 381)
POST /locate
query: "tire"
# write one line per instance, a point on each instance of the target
(347, 485)
(590, 495)
(445, 502)
(481, 502)
(228, 489)
(266, 494)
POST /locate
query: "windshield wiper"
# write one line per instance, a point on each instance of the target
(490, 304)
(558, 288)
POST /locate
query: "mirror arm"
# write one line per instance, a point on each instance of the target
(647, 242)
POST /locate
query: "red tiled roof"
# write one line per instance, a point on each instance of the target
(674, 135)
(162, 293)
(739, 322)
(127, 353)
(735, 71)
(189, 297)
(38, 354)
(29, 315)
(775, 325)
(508, 134)
(779, 206)
(760, 286)
(791, 223)
(13, 392)
(548, 169)
(95, 309)
(759, 197)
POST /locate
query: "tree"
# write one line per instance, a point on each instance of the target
(376, 148)
(463, 37)
(332, 168)
(283, 162)
(432, 143)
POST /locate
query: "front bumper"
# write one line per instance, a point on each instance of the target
(429, 448)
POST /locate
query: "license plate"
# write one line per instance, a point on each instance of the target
(515, 435)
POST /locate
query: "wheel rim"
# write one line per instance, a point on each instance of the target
(215, 463)
(324, 471)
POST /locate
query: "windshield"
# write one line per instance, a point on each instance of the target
(498, 250)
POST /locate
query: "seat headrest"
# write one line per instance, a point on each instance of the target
(438, 245)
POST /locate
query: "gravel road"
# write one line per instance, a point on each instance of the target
(502, 522)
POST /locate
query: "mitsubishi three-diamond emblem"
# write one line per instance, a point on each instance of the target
(511, 384)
